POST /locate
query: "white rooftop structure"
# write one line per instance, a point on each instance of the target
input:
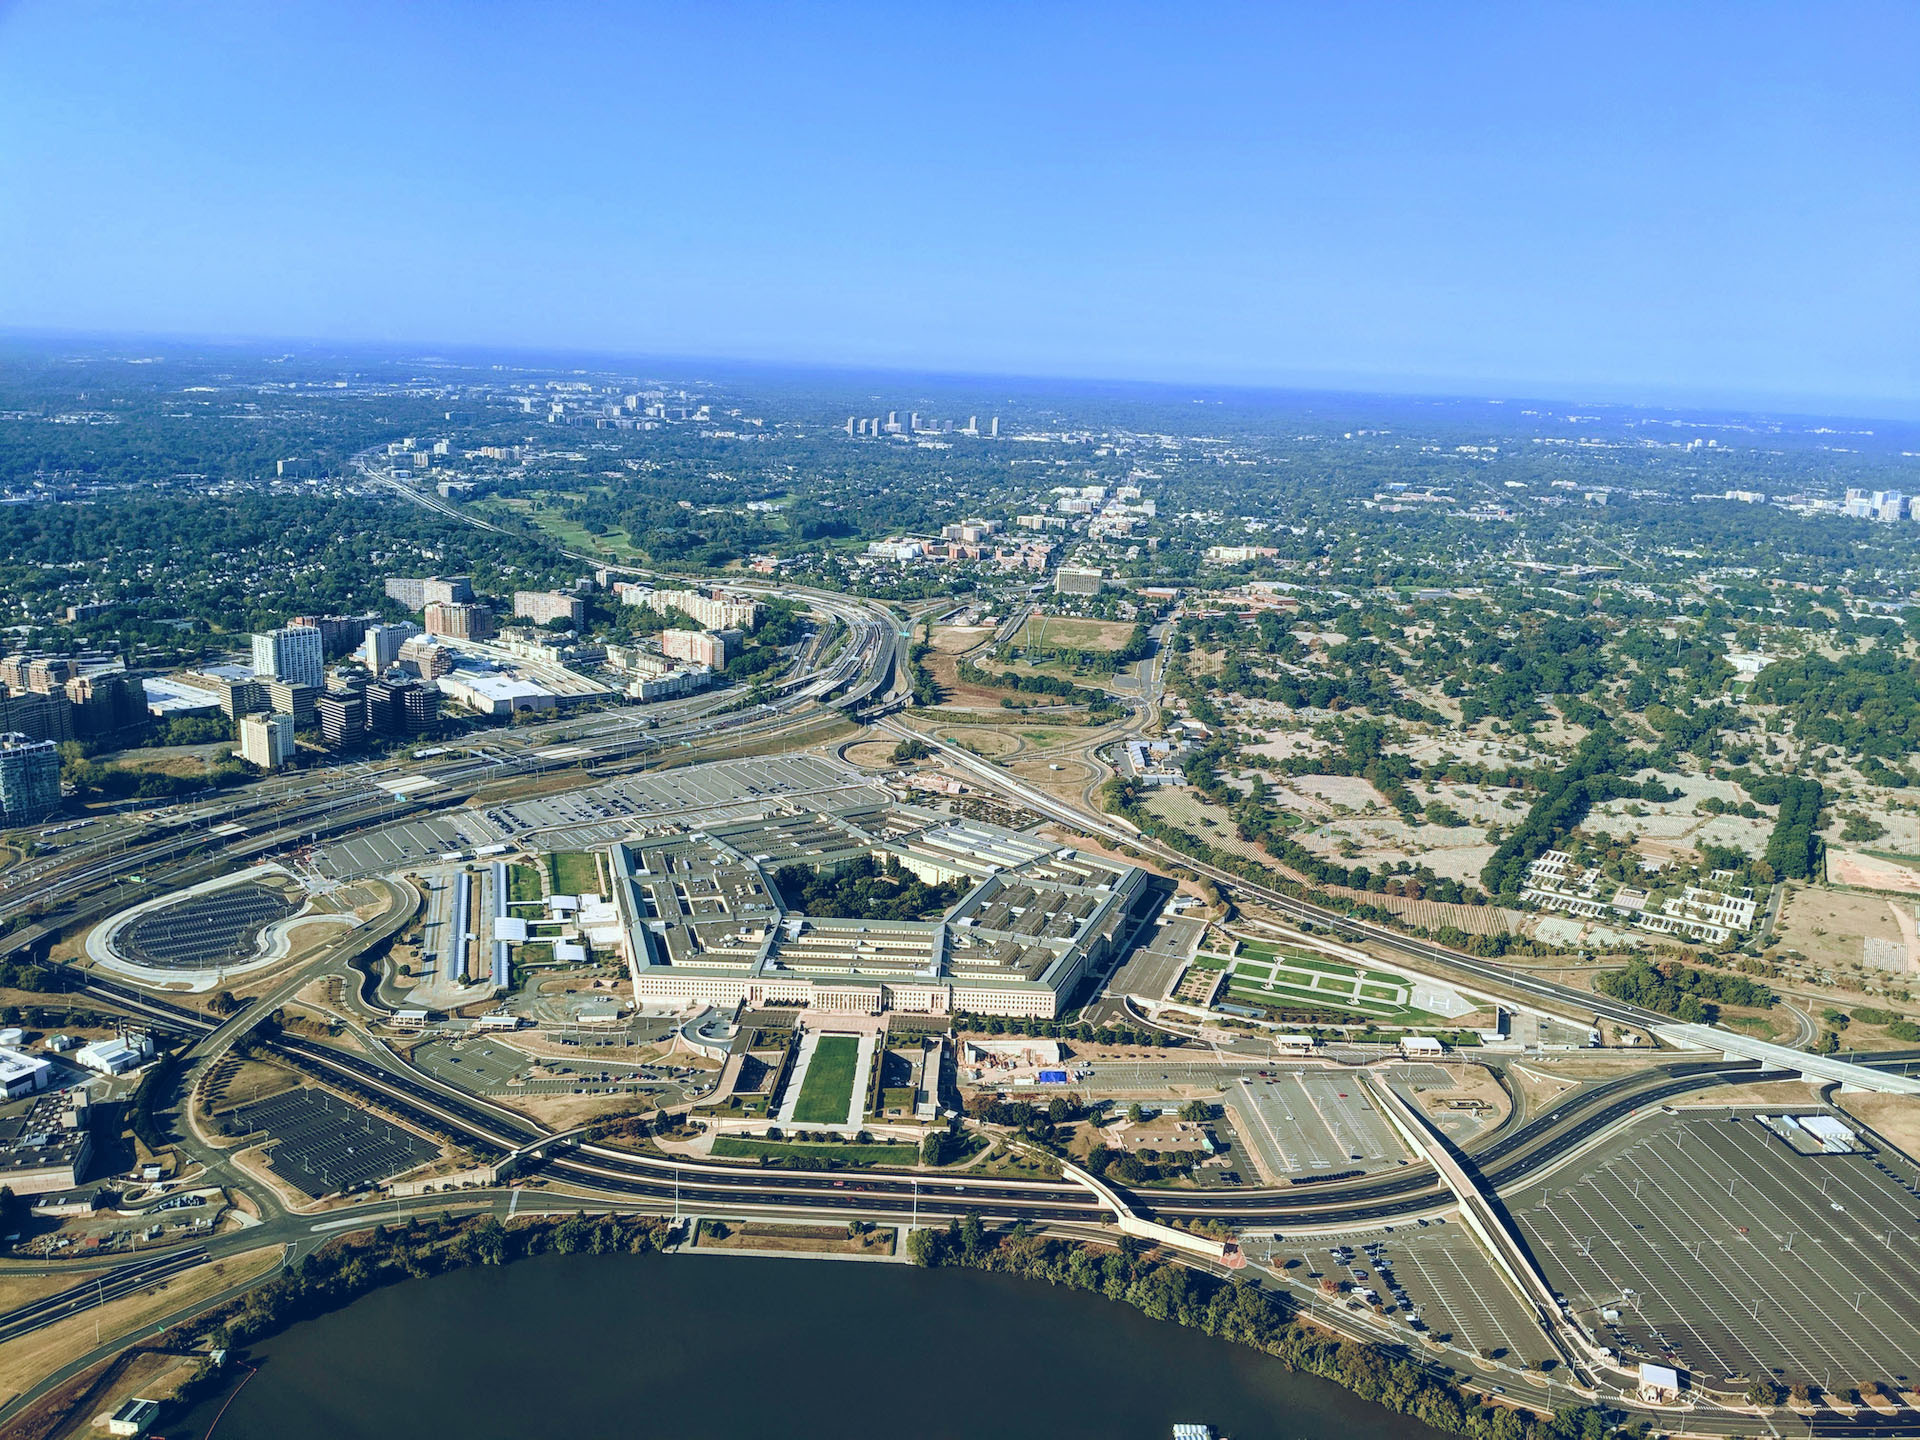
(114, 1057)
(22, 1074)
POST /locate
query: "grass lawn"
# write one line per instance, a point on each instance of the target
(827, 1091)
(738, 1147)
(1325, 967)
(1071, 633)
(1206, 961)
(575, 872)
(523, 883)
(1277, 993)
(573, 534)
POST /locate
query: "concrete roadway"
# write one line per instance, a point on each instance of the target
(623, 1174)
(634, 1182)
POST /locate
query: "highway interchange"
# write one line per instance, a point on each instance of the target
(866, 679)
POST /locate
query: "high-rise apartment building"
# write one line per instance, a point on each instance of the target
(711, 612)
(340, 635)
(266, 740)
(699, 647)
(293, 653)
(29, 779)
(417, 594)
(381, 645)
(458, 620)
(545, 606)
(37, 716)
(103, 702)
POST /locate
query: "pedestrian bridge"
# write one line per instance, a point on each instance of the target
(1220, 1252)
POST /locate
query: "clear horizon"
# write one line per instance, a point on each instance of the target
(1714, 208)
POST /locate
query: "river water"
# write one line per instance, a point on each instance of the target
(712, 1348)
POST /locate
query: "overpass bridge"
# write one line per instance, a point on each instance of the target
(1490, 1227)
(1848, 1074)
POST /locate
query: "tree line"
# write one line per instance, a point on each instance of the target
(1241, 1311)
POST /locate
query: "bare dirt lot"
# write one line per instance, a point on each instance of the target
(1895, 1117)
(1776, 1092)
(1871, 872)
(817, 1239)
(872, 754)
(949, 643)
(1835, 929)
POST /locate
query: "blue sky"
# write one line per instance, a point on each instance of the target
(1655, 202)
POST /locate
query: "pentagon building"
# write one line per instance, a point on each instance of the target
(702, 921)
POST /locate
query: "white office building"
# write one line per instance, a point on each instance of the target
(381, 647)
(294, 653)
(266, 740)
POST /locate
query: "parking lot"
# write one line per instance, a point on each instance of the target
(1708, 1241)
(710, 794)
(403, 845)
(1305, 1122)
(323, 1144)
(220, 927)
(1433, 1279)
(477, 1065)
(488, 1067)
(1162, 1077)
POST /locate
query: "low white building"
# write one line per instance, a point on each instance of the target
(117, 1056)
(490, 692)
(23, 1074)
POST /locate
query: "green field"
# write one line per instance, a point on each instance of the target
(1314, 962)
(574, 872)
(827, 1091)
(523, 883)
(571, 533)
(1070, 633)
(735, 1147)
(1269, 974)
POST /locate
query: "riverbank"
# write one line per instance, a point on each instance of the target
(1237, 1311)
(620, 1345)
